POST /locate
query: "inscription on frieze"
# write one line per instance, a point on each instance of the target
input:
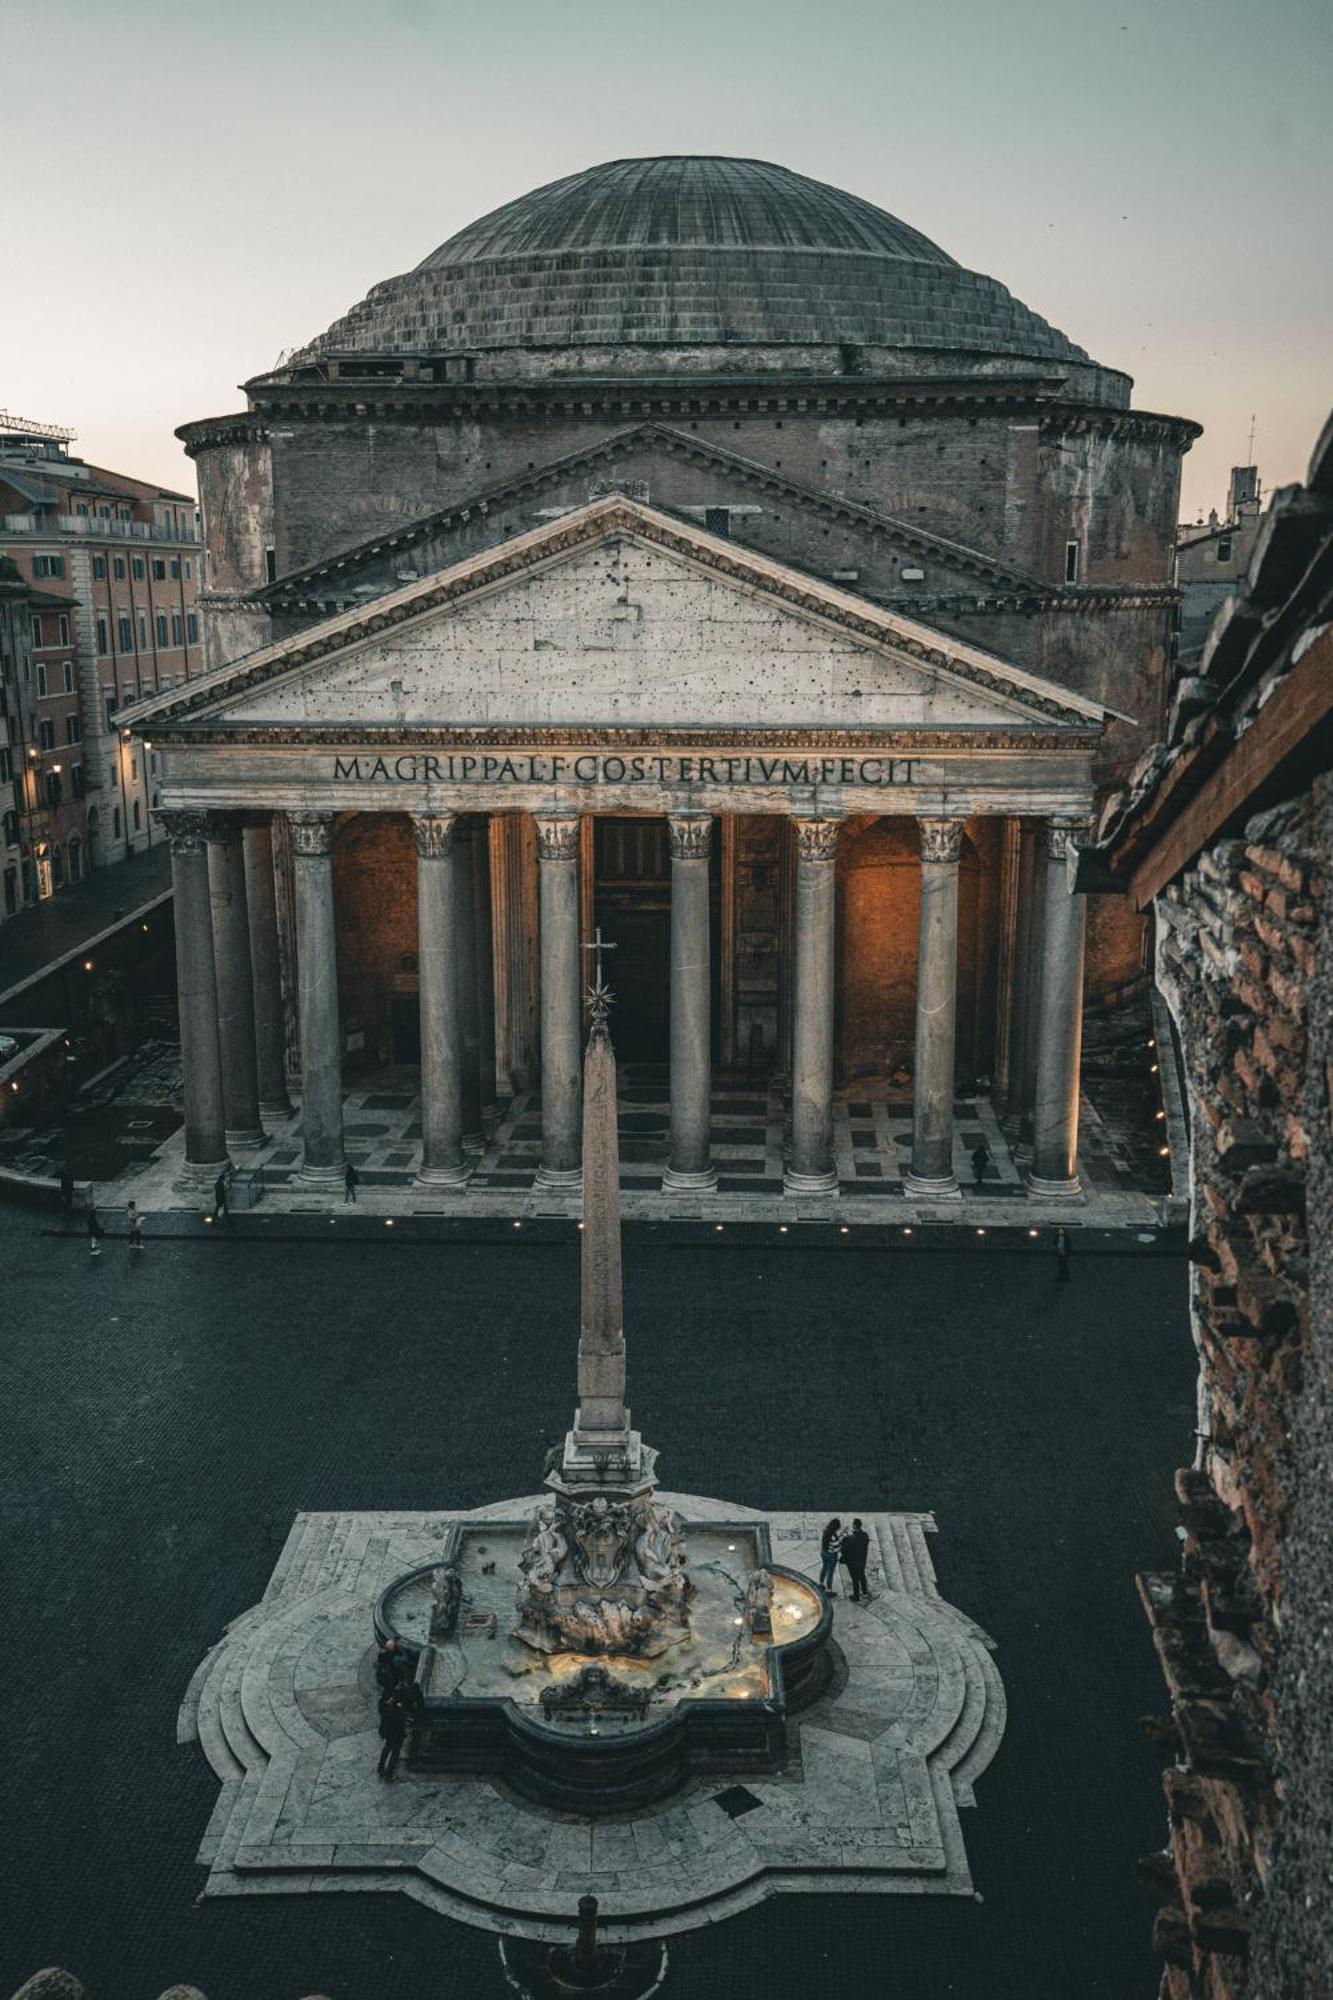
(598, 767)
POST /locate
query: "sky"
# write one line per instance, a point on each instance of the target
(195, 188)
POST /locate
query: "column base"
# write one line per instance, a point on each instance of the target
(474, 1142)
(559, 1180)
(1040, 1189)
(199, 1177)
(809, 1184)
(681, 1180)
(446, 1177)
(275, 1110)
(931, 1187)
(319, 1180)
(248, 1140)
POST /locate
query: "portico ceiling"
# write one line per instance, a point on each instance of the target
(619, 617)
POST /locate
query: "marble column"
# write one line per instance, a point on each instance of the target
(236, 996)
(440, 882)
(558, 875)
(464, 944)
(317, 991)
(201, 1061)
(1054, 1171)
(689, 1167)
(931, 1172)
(810, 1170)
(483, 928)
(265, 969)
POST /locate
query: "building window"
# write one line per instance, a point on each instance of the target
(78, 783)
(82, 508)
(41, 682)
(137, 569)
(270, 565)
(75, 858)
(126, 631)
(115, 823)
(118, 568)
(717, 520)
(138, 816)
(55, 791)
(67, 673)
(46, 733)
(192, 627)
(36, 631)
(159, 570)
(64, 628)
(11, 885)
(143, 632)
(103, 640)
(99, 567)
(48, 565)
(1071, 562)
(1224, 549)
(189, 570)
(161, 623)
(73, 728)
(110, 708)
(6, 765)
(177, 629)
(127, 694)
(175, 569)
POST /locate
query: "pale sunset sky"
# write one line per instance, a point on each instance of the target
(194, 188)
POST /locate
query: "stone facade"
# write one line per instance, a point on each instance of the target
(1230, 830)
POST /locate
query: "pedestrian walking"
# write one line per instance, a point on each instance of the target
(1063, 1246)
(393, 1732)
(854, 1554)
(980, 1162)
(830, 1542)
(66, 1189)
(392, 1665)
(350, 1178)
(94, 1230)
(220, 1207)
(134, 1226)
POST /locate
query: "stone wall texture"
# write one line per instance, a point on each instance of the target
(1245, 960)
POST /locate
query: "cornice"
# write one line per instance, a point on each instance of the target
(205, 433)
(330, 737)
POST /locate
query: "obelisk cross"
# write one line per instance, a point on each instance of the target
(600, 997)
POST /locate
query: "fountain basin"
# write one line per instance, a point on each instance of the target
(602, 1733)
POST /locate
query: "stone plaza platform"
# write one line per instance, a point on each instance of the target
(284, 1709)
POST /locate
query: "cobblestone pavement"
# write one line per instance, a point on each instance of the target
(162, 1423)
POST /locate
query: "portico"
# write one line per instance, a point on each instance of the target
(430, 799)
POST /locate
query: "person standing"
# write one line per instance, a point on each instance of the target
(830, 1542)
(220, 1207)
(980, 1162)
(1063, 1246)
(94, 1230)
(855, 1553)
(134, 1225)
(393, 1732)
(350, 1178)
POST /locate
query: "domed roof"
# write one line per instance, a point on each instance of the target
(692, 253)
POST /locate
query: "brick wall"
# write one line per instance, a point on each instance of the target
(1244, 960)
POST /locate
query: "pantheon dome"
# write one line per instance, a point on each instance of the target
(703, 262)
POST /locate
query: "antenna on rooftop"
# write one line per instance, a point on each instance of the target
(25, 427)
(1249, 449)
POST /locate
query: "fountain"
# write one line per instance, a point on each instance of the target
(645, 1648)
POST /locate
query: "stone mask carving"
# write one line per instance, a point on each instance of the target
(602, 1531)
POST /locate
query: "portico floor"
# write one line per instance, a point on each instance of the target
(872, 1130)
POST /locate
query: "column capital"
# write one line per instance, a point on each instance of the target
(941, 839)
(435, 834)
(312, 833)
(1062, 838)
(817, 839)
(691, 836)
(225, 825)
(557, 836)
(186, 831)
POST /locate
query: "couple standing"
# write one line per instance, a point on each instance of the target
(851, 1550)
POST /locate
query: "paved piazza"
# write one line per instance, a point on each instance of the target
(284, 1708)
(165, 1426)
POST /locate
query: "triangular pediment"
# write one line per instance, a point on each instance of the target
(619, 616)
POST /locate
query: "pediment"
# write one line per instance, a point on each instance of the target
(617, 616)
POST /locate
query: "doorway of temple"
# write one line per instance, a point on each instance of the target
(632, 904)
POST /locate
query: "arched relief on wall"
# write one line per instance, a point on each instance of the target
(879, 905)
(375, 906)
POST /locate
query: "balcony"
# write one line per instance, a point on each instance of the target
(94, 528)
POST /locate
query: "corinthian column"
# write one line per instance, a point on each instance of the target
(1054, 1171)
(265, 968)
(688, 1164)
(317, 989)
(235, 988)
(438, 893)
(931, 1171)
(201, 1063)
(558, 875)
(810, 1170)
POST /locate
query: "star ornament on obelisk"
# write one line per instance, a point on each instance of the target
(602, 1446)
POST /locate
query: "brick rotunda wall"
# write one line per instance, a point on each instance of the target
(1242, 1631)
